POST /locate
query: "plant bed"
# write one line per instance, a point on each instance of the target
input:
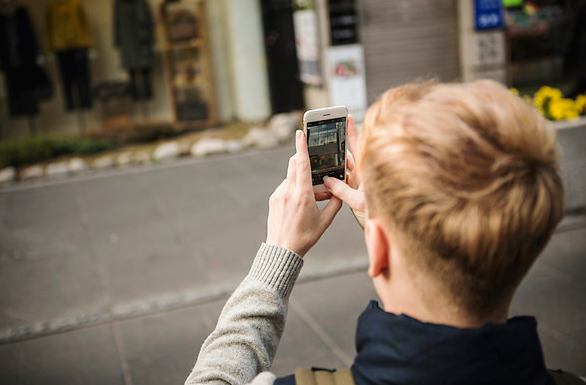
(26, 151)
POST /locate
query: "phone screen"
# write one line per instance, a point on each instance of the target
(326, 141)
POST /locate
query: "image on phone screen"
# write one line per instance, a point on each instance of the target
(326, 141)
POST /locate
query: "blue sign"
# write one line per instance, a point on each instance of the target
(489, 14)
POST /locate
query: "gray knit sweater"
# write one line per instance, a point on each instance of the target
(251, 324)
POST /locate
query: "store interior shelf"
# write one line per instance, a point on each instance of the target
(188, 65)
(183, 44)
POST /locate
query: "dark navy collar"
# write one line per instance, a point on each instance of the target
(398, 349)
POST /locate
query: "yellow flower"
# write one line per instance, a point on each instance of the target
(581, 104)
(514, 91)
(563, 108)
(544, 95)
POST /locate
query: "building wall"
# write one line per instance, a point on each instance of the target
(408, 40)
(250, 86)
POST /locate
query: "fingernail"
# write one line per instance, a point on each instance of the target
(299, 134)
(325, 179)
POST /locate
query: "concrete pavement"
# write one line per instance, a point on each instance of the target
(118, 277)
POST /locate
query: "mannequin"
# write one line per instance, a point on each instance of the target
(26, 83)
(69, 36)
(134, 37)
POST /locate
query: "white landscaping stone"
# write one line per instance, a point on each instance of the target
(123, 159)
(234, 146)
(297, 117)
(7, 174)
(32, 172)
(166, 151)
(283, 126)
(102, 162)
(76, 165)
(142, 157)
(56, 170)
(259, 137)
(208, 146)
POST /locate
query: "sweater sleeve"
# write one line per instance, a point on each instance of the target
(251, 324)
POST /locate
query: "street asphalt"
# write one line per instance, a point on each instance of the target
(118, 277)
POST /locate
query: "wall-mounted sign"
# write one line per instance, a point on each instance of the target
(343, 27)
(489, 14)
(305, 24)
(343, 22)
(347, 79)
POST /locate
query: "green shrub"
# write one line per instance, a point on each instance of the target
(20, 152)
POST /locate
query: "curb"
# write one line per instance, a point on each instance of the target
(161, 303)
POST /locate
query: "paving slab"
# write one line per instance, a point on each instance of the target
(247, 181)
(48, 289)
(565, 256)
(85, 357)
(559, 354)
(46, 270)
(220, 226)
(162, 348)
(556, 284)
(551, 300)
(301, 347)
(276, 161)
(114, 203)
(147, 261)
(137, 248)
(335, 304)
(187, 187)
(341, 245)
(554, 292)
(40, 223)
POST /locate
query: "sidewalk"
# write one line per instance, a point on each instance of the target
(118, 278)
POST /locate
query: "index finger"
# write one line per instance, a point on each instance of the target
(303, 166)
(353, 136)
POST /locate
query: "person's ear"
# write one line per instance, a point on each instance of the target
(378, 247)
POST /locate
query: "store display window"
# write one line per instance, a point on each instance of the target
(547, 44)
(94, 67)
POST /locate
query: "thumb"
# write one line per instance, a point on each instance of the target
(350, 196)
(330, 211)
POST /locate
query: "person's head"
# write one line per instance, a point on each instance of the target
(464, 180)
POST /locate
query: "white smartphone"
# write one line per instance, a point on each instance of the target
(325, 130)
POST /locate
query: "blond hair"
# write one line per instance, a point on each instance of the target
(468, 175)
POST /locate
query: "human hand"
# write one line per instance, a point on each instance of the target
(295, 222)
(351, 192)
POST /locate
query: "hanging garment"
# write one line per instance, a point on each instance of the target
(133, 33)
(26, 83)
(140, 84)
(75, 76)
(67, 26)
(18, 42)
(21, 102)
